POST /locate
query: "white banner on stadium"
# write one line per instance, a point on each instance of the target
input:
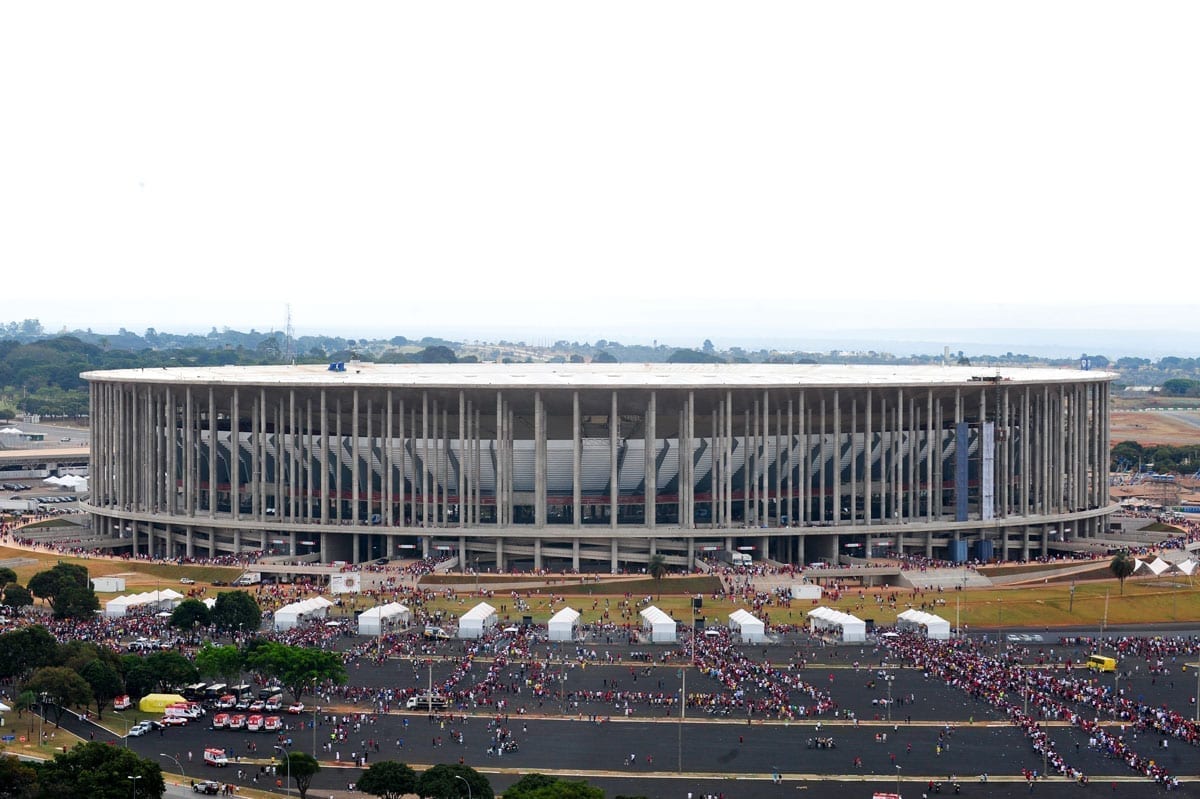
(344, 584)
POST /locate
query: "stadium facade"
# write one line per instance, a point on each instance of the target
(545, 466)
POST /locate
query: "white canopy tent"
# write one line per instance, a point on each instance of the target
(297, 613)
(851, 628)
(805, 591)
(382, 617)
(934, 626)
(476, 621)
(751, 628)
(166, 599)
(564, 625)
(660, 626)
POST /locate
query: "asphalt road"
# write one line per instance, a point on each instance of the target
(706, 753)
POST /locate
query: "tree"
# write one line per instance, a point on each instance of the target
(189, 614)
(603, 357)
(540, 786)
(7, 576)
(235, 611)
(437, 354)
(139, 679)
(388, 780)
(298, 669)
(17, 597)
(441, 782)
(66, 589)
(692, 356)
(26, 649)
(225, 662)
(105, 682)
(302, 767)
(100, 771)
(62, 687)
(171, 669)
(657, 567)
(1122, 566)
(17, 780)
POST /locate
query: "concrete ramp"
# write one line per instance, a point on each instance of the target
(948, 579)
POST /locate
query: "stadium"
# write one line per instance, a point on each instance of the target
(595, 467)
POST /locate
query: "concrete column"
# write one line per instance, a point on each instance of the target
(614, 432)
(401, 469)
(355, 451)
(575, 554)
(728, 456)
(325, 445)
(823, 481)
(463, 460)
(747, 467)
(836, 466)
(537, 554)
(651, 462)
(691, 552)
(425, 520)
(790, 462)
(212, 454)
(500, 567)
(613, 560)
(539, 463)
(235, 461)
(576, 465)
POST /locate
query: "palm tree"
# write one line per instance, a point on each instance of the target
(657, 567)
(1122, 566)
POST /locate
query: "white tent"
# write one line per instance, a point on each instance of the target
(659, 624)
(934, 626)
(564, 625)
(476, 621)
(1187, 567)
(805, 591)
(851, 628)
(297, 613)
(382, 617)
(1158, 566)
(157, 600)
(752, 630)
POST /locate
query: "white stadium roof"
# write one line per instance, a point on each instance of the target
(616, 375)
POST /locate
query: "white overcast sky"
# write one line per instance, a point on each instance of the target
(628, 170)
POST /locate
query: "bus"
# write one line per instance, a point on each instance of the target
(1100, 663)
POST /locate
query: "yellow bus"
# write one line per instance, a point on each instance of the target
(1101, 663)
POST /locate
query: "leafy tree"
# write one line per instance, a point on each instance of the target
(61, 686)
(66, 589)
(236, 610)
(17, 780)
(17, 597)
(441, 782)
(225, 662)
(7, 576)
(540, 786)
(139, 678)
(298, 669)
(189, 614)
(438, 354)
(171, 669)
(388, 779)
(603, 357)
(23, 650)
(100, 771)
(302, 767)
(692, 356)
(1122, 566)
(1181, 387)
(105, 682)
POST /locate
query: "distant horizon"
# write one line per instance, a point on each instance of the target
(900, 342)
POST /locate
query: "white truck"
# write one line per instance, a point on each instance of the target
(249, 578)
(735, 558)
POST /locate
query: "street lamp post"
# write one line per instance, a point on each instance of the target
(464, 780)
(288, 758)
(172, 757)
(117, 713)
(133, 781)
(897, 779)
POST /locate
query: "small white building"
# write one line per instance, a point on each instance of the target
(298, 613)
(477, 621)
(850, 629)
(564, 625)
(108, 585)
(748, 626)
(383, 617)
(805, 591)
(933, 626)
(660, 626)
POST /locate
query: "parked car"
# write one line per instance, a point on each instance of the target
(237, 722)
(296, 708)
(186, 581)
(175, 721)
(210, 787)
(140, 729)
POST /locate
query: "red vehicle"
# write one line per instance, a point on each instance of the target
(296, 708)
(237, 722)
(226, 702)
(220, 721)
(254, 723)
(272, 724)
